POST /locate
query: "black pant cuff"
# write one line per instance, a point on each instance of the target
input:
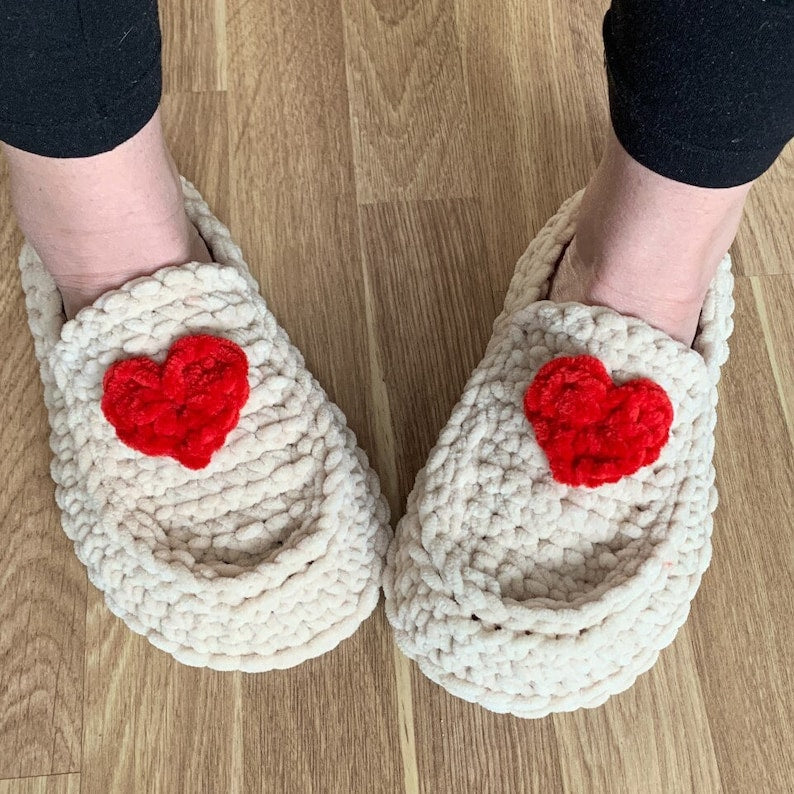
(655, 145)
(92, 135)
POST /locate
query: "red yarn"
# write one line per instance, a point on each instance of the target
(592, 431)
(183, 408)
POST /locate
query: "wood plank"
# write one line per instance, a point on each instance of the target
(765, 240)
(152, 724)
(432, 302)
(293, 208)
(42, 585)
(464, 748)
(774, 299)
(294, 211)
(537, 98)
(194, 45)
(327, 725)
(197, 131)
(654, 737)
(48, 784)
(741, 622)
(408, 106)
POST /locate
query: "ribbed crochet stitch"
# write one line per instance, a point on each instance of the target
(528, 595)
(271, 553)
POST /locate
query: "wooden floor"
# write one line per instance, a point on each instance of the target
(383, 163)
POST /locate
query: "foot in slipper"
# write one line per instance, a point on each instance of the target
(560, 528)
(215, 495)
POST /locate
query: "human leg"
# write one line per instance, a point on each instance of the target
(93, 183)
(702, 101)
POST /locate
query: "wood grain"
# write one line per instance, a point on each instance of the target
(537, 104)
(774, 298)
(294, 199)
(150, 723)
(196, 127)
(425, 258)
(653, 738)
(47, 784)
(194, 45)
(463, 748)
(765, 239)
(409, 119)
(42, 585)
(292, 171)
(741, 622)
(383, 164)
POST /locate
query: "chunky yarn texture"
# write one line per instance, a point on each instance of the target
(592, 431)
(255, 546)
(529, 595)
(185, 407)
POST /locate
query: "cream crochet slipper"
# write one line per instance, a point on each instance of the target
(522, 593)
(271, 553)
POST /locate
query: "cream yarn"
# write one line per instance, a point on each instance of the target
(270, 555)
(527, 596)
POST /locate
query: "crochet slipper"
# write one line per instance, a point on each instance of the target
(560, 528)
(215, 495)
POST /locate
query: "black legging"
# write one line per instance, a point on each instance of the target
(77, 77)
(701, 92)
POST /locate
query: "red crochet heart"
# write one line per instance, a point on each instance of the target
(183, 408)
(592, 431)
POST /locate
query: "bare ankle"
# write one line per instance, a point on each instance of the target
(646, 245)
(98, 222)
(85, 280)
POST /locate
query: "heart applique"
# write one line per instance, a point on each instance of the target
(183, 408)
(592, 431)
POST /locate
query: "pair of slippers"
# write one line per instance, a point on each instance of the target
(551, 545)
